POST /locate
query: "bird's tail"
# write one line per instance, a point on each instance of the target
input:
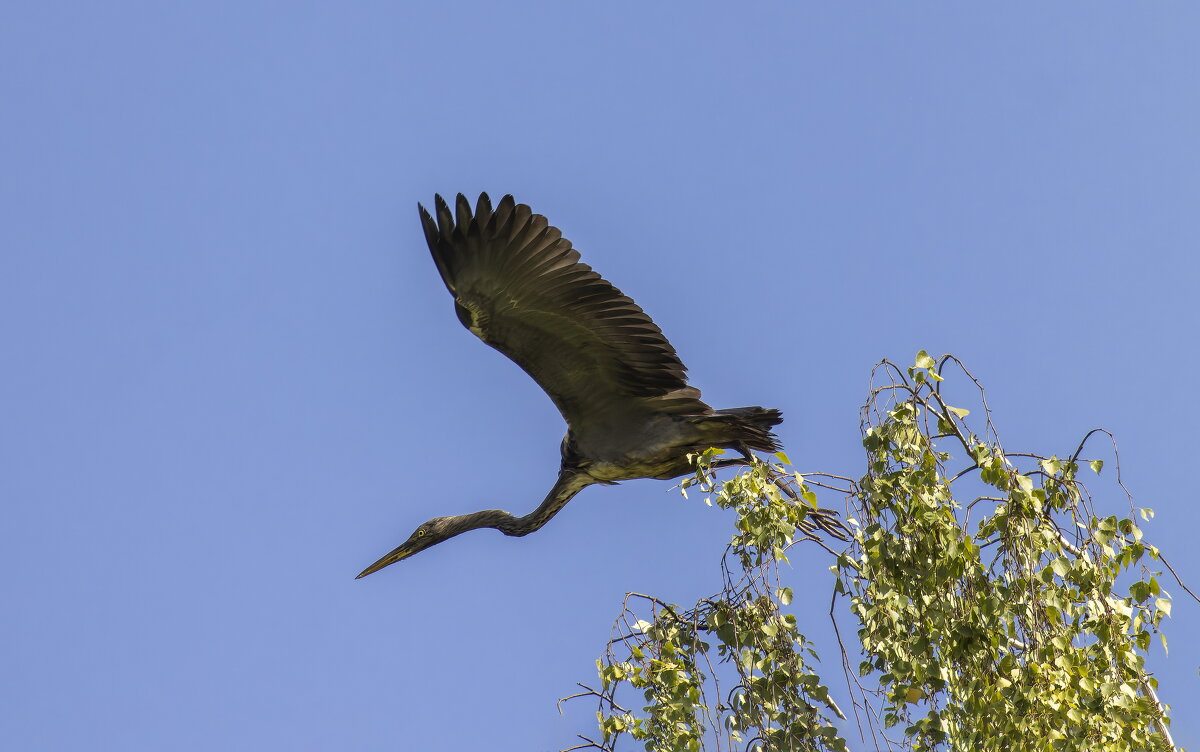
(742, 426)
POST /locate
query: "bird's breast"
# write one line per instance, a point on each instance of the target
(656, 449)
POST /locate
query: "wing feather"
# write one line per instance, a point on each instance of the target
(521, 288)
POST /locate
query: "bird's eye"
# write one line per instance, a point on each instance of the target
(420, 532)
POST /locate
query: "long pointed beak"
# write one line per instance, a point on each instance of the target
(396, 555)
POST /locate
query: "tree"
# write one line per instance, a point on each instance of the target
(998, 608)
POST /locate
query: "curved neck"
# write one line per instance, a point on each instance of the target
(568, 484)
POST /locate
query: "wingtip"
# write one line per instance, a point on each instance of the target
(428, 226)
(440, 206)
(483, 206)
(445, 218)
(462, 213)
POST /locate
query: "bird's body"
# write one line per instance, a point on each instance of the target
(658, 446)
(520, 287)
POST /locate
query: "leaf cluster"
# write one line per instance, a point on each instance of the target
(732, 671)
(1014, 634)
(1025, 628)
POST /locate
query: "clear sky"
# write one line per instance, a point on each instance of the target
(231, 377)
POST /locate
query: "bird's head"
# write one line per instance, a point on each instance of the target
(427, 534)
(437, 530)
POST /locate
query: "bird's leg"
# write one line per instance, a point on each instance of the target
(728, 463)
(745, 452)
(816, 519)
(824, 519)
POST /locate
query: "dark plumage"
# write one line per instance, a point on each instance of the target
(520, 287)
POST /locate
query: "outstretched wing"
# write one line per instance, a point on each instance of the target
(521, 288)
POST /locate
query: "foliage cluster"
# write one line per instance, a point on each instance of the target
(1025, 630)
(777, 701)
(1013, 634)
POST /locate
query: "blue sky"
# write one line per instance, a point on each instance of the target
(232, 378)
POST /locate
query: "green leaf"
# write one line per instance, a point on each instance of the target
(924, 360)
(961, 412)
(1096, 465)
(783, 458)
(1061, 566)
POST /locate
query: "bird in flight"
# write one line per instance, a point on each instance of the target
(520, 287)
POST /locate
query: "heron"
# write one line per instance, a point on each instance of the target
(520, 286)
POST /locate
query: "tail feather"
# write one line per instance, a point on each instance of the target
(748, 426)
